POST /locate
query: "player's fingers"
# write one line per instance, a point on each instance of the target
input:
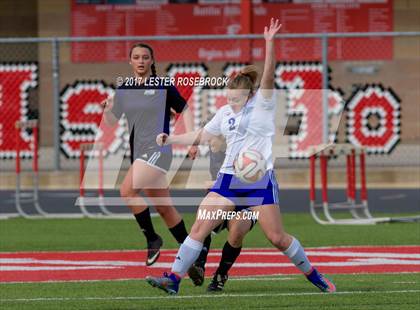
(164, 138)
(159, 139)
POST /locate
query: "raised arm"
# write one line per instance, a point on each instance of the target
(267, 79)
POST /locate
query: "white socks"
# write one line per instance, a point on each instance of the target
(190, 250)
(187, 254)
(297, 255)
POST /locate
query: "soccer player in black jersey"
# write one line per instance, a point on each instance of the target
(148, 110)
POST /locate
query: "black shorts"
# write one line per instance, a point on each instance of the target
(155, 158)
(224, 225)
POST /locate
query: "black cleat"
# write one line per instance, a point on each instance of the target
(217, 283)
(153, 251)
(196, 274)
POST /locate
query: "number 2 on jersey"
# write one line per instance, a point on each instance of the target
(231, 123)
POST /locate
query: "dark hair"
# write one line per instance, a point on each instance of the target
(144, 45)
(244, 79)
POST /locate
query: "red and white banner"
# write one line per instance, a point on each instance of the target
(81, 113)
(16, 79)
(82, 121)
(155, 18)
(380, 103)
(303, 83)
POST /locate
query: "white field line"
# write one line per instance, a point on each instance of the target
(208, 296)
(404, 282)
(267, 277)
(121, 264)
(260, 279)
(275, 277)
(11, 260)
(321, 253)
(164, 251)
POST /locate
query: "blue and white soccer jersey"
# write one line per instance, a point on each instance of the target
(253, 127)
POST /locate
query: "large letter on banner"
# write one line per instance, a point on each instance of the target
(374, 101)
(303, 82)
(81, 118)
(15, 82)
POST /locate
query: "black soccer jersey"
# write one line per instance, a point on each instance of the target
(148, 110)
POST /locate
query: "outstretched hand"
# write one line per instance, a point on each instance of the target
(162, 139)
(270, 32)
(108, 104)
(192, 152)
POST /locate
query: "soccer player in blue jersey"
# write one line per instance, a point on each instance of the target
(237, 229)
(246, 122)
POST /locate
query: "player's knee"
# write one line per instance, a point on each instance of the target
(235, 237)
(162, 210)
(198, 231)
(235, 240)
(279, 240)
(127, 192)
(195, 229)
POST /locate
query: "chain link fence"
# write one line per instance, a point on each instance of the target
(371, 84)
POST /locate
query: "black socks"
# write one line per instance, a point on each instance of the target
(179, 232)
(145, 222)
(229, 256)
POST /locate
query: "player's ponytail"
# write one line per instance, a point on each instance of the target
(153, 68)
(244, 79)
(147, 46)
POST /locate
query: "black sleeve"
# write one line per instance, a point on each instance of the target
(175, 100)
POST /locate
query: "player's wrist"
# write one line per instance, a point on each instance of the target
(168, 140)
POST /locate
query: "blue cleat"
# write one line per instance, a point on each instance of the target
(168, 283)
(320, 281)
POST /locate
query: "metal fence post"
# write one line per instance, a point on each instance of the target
(325, 89)
(56, 99)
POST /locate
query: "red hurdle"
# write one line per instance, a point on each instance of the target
(33, 199)
(84, 148)
(359, 211)
(83, 201)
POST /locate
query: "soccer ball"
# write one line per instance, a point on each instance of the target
(250, 166)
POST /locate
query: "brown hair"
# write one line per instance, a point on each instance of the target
(244, 79)
(144, 45)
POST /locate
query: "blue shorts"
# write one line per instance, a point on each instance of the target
(245, 195)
